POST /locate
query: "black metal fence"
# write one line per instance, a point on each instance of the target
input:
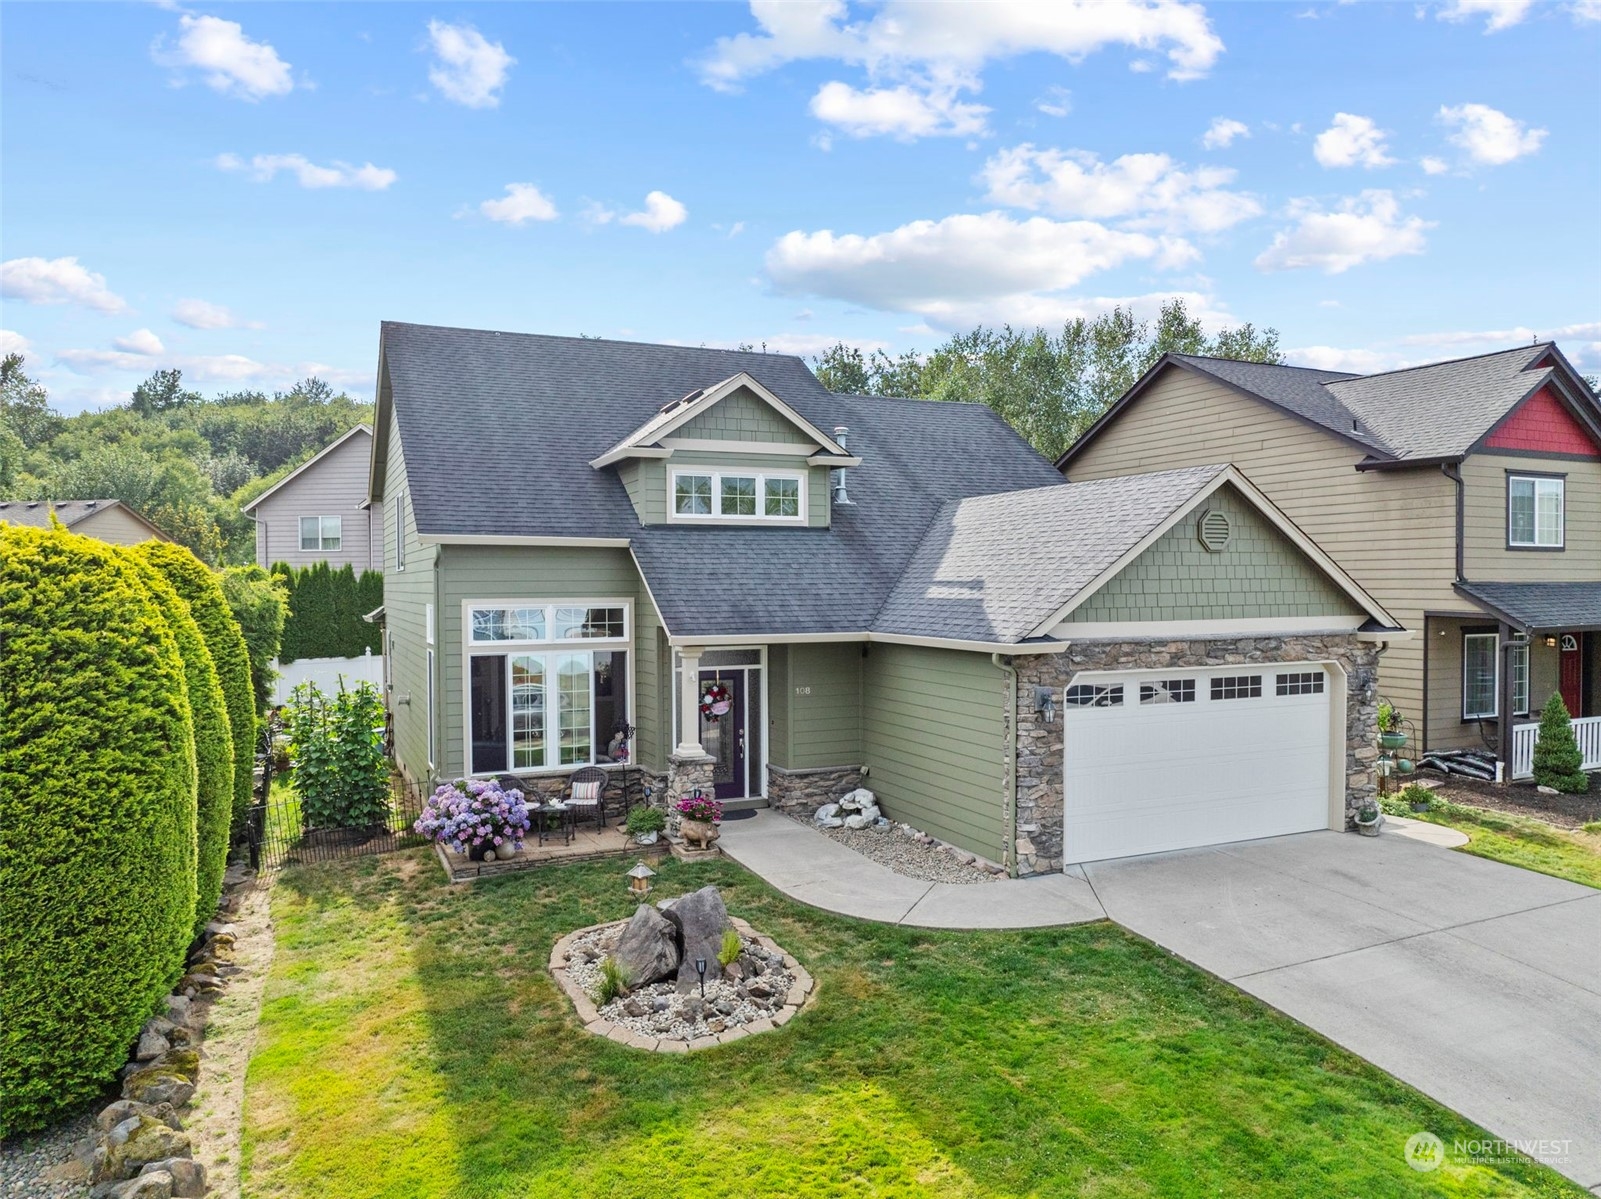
(276, 834)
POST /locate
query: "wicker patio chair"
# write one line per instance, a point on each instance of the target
(586, 792)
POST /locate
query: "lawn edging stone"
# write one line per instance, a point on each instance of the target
(801, 993)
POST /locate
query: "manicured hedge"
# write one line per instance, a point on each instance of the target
(195, 582)
(326, 607)
(214, 760)
(97, 818)
(259, 605)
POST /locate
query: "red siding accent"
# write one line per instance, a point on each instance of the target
(1542, 423)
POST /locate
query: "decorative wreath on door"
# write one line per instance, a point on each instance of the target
(715, 701)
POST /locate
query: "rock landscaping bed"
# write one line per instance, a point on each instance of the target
(915, 854)
(640, 981)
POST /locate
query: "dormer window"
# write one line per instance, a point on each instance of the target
(759, 495)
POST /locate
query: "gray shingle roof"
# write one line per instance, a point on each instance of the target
(1547, 607)
(1442, 409)
(36, 513)
(994, 567)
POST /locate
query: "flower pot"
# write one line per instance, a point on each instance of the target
(1369, 828)
(1421, 805)
(477, 853)
(646, 838)
(1392, 740)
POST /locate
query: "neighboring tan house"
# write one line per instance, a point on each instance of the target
(105, 520)
(592, 546)
(319, 512)
(1464, 495)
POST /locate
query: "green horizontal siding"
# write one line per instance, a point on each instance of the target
(1259, 573)
(934, 737)
(407, 593)
(820, 705)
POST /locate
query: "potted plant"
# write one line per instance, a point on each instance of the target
(698, 815)
(1417, 797)
(645, 824)
(1368, 819)
(1391, 734)
(476, 818)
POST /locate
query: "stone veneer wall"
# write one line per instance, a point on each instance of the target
(624, 787)
(1039, 745)
(804, 791)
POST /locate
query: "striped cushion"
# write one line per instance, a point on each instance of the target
(586, 792)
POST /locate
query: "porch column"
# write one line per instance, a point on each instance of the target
(689, 745)
(1503, 749)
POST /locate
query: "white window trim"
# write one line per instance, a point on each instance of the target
(550, 645)
(716, 475)
(1520, 702)
(1495, 688)
(1540, 482)
(428, 623)
(322, 535)
(400, 531)
(676, 665)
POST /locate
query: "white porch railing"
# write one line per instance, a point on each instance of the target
(1586, 728)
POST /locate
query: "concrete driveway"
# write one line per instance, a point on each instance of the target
(1477, 983)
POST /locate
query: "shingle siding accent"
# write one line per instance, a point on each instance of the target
(1258, 574)
(742, 417)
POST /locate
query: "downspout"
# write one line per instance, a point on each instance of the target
(1453, 471)
(1009, 787)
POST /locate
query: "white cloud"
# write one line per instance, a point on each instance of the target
(140, 341)
(1058, 101)
(661, 213)
(1223, 131)
(1586, 10)
(522, 202)
(1434, 166)
(1149, 189)
(1364, 228)
(95, 362)
(1500, 14)
(264, 167)
(468, 68)
(945, 270)
(202, 314)
(902, 112)
(1581, 342)
(953, 41)
(57, 281)
(1351, 141)
(12, 342)
(1332, 358)
(1582, 331)
(1488, 135)
(229, 368)
(228, 61)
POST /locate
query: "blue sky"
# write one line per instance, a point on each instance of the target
(245, 191)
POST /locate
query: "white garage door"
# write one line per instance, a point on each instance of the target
(1162, 760)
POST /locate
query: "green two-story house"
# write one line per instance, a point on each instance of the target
(697, 567)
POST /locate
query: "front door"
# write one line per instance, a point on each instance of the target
(725, 736)
(1571, 677)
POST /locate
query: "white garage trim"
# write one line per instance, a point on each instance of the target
(1335, 688)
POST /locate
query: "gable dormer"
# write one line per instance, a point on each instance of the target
(730, 454)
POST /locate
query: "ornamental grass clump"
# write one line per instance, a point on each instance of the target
(477, 814)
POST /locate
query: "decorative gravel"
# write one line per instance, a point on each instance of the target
(661, 1011)
(907, 851)
(26, 1161)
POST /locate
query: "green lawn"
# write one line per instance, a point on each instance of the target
(412, 1044)
(1523, 841)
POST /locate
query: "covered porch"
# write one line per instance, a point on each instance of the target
(1545, 640)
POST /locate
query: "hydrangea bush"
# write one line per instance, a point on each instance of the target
(466, 815)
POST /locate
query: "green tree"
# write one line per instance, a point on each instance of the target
(25, 404)
(162, 392)
(1557, 757)
(260, 606)
(97, 818)
(843, 370)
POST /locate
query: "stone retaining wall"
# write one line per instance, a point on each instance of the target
(802, 792)
(1040, 745)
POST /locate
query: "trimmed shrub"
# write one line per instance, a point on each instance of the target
(259, 607)
(97, 818)
(214, 750)
(326, 607)
(1557, 756)
(337, 742)
(199, 586)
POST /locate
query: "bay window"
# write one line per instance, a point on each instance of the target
(1534, 511)
(547, 685)
(757, 495)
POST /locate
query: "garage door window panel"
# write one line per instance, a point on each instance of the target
(1237, 686)
(1168, 691)
(1090, 695)
(1301, 683)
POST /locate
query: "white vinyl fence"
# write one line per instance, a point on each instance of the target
(326, 673)
(1586, 728)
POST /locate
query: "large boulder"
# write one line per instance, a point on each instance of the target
(134, 1144)
(647, 951)
(701, 918)
(188, 1177)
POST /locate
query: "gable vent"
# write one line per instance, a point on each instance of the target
(1214, 530)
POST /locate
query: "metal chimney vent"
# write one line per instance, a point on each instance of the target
(841, 496)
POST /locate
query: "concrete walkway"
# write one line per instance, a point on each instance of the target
(1422, 830)
(814, 869)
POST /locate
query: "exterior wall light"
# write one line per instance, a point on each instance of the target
(1045, 703)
